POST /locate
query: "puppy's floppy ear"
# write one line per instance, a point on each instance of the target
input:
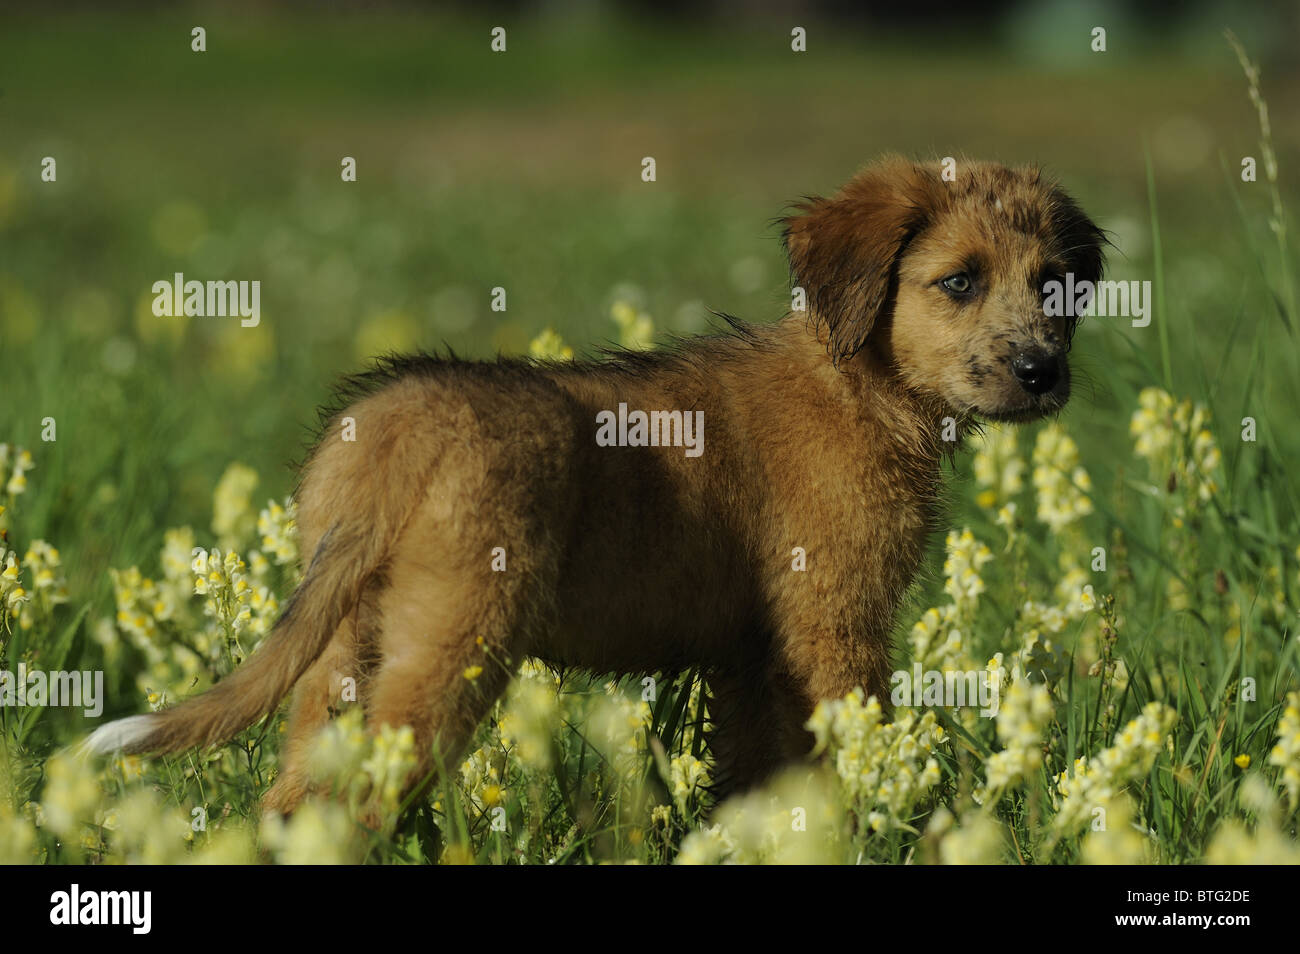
(843, 250)
(1081, 241)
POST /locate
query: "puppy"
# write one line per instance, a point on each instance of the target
(754, 502)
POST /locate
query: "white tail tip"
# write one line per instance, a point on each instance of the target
(124, 734)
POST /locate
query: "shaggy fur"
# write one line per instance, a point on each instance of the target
(823, 431)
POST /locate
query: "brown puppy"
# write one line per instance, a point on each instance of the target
(481, 501)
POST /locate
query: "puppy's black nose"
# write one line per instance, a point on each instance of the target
(1037, 371)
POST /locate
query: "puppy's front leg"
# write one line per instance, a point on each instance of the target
(830, 664)
(758, 713)
(835, 643)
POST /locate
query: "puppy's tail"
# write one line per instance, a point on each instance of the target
(330, 588)
(371, 483)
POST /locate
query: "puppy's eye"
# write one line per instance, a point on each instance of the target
(957, 285)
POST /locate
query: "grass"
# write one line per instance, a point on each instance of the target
(523, 172)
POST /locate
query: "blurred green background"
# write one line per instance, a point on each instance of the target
(522, 169)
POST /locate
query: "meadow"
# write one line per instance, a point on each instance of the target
(1130, 571)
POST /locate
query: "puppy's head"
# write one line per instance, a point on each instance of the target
(945, 279)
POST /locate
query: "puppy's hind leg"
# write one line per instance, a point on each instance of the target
(472, 578)
(449, 646)
(320, 693)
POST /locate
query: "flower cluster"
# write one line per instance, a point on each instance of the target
(159, 616)
(1175, 439)
(530, 715)
(978, 839)
(636, 328)
(320, 832)
(1236, 844)
(792, 820)
(937, 639)
(710, 845)
(619, 727)
(1267, 842)
(233, 518)
(223, 582)
(1121, 841)
(48, 584)
(961, 570)
(15, 462)
(359, 764)
(17, 837)
(696, 716)
(1040, 657)
(1286, 754)
(277, 525)
(1026, 710)
(1097, 781)
(935, 644)
(388, 766)
(999, 468)
(885, 767)
(145, 608)
(176, 559)
(1061, 484)
(141, 829)
(46, 587)
(482, 776)
(141, 605)
(71, 796)
(237, 603)
(549, 346)
(12, 593)
(339, 749)
(688, 775)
